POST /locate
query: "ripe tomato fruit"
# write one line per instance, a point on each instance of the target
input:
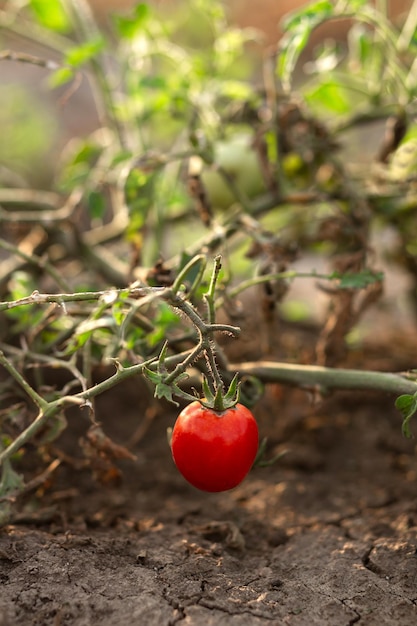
(214, 450)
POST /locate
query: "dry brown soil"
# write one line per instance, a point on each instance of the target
(326, 537)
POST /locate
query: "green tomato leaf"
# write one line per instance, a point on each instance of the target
(60, 77)
(154, 377)
(162, 390)
(292, 48)
(51, 14)
(165, 320)
(128, 26)
(355, 5)
(78, 55)
(11, 481)
(310, 13)
(407, 405)
(330, 95)
(119, 307)
(165, 391)
(358, 280)
(299, 25)
(96, 204)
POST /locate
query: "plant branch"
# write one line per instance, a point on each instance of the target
(34, 259)
(52, 212)
(205, 335)
(209, 295)
(33, 395)
(310, 376)
(109, 295)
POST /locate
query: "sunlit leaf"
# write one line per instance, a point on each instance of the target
(290, 53)
(329, 96)
(312, 13)
(164, 321)
(128, 26)
(51, 14)
(355, 5)
(78, 55)
(60, 77)
(299, 26)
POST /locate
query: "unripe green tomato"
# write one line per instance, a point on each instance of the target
(238, 158)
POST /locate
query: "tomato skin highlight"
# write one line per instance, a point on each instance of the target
(214, 451)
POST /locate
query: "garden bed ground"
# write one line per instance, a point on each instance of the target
(326, 537)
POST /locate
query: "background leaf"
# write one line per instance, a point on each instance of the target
(51, 14)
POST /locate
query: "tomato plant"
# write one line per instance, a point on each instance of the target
(214, 450)
(199, 155)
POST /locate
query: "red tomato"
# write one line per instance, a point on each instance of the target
(214, 450)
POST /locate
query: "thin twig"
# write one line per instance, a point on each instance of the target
(35, 397)
(109, 295)
(34, 259)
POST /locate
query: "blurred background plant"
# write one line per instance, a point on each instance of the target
(295, 162)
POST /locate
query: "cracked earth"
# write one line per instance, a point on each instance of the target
(326, 537)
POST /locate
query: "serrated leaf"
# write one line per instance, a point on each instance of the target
(164, 391)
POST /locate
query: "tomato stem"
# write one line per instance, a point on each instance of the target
(209, 295)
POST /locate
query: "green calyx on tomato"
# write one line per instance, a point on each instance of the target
(220, 401)
(214, 451)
